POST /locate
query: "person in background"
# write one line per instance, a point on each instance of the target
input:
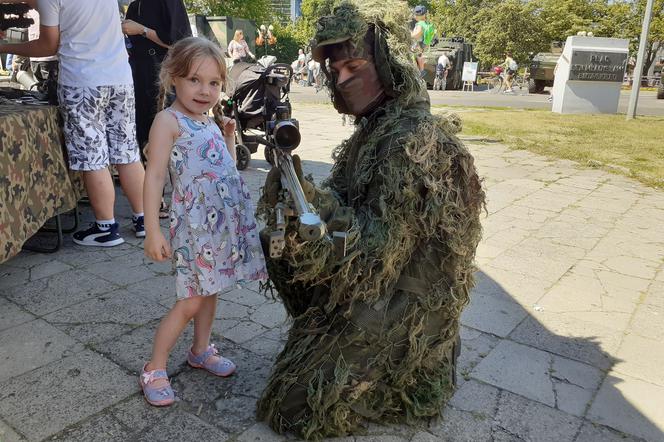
(214, 238)
(238, 48)
(510, 68)
(152, 27)
(96, 99)
(443, 66)
(44, 69)
(423, 35)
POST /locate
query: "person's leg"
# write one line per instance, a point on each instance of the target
(120, 120)
(131, 181)
(203, 324)
(202, 354)
(171, 328)
(100, 190)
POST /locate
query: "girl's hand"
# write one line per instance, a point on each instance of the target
(130, 27)
(228, 126)
(156, 247)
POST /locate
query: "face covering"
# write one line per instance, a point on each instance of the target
(363, 91)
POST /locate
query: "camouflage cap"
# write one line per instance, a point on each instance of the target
(345, 24)
(376, 30)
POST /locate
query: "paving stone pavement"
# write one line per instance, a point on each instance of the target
(563, 339)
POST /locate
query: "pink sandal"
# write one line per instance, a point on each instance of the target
(156, 387)
(210, 361)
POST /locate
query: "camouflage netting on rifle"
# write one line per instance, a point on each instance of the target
(374, 334)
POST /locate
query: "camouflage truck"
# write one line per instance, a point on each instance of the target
(457, 50)
(542, 66)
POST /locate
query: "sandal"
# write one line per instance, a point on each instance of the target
(156, 387)
(163, 210)
(210, 360)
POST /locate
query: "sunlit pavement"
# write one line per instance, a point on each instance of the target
(562, 341)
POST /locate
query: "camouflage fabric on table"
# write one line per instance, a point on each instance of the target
(375, 334)
(35, 182)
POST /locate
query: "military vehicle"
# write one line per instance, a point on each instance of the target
(542, 66)
(457, 50)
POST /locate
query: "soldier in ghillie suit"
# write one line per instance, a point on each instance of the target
(375, 334)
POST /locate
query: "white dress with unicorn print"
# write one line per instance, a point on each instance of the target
(213, 231)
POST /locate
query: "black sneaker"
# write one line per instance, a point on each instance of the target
(139, 226)
(94, 236)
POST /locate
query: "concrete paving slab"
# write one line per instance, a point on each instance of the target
(11, 276)
(59, 291)
(493, 313)
(582, 341)
(163, 286)
(183, 427)
(67, 391)
(475, 346)
(462, 426)
(32, 345)
(533, 421)
(591, 432)
(574, 384)
(630, 405)
(101, 428)
(260, 432)
(132, 350)
(530, 377)
(476, 397)
(631, 360)
(270, 314)
(12, 315)
(7, 434)
(107, 316)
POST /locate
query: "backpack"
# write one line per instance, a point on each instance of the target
(513, 66)
(428, 32)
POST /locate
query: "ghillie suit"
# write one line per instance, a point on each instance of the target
(375, 334)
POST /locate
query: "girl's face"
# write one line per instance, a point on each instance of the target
(199, 91)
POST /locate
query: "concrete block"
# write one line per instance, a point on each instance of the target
(533, 421)
(32, 345)
(630, 405)
(12, 315)
(582, 341)
(183, 427)
(47, 295)
(107, 316)
(67, 391)
(520, 369)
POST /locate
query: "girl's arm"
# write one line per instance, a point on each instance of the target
(163, 133)
(229, 136)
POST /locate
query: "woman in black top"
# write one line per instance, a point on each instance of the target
(152, 26)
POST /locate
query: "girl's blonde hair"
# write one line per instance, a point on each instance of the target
(237, 34)
(181, 56)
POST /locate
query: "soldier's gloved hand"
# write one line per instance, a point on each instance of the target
(273, 183)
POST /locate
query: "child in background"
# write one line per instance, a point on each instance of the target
(214, 237)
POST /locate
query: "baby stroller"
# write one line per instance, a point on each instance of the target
(255, 91)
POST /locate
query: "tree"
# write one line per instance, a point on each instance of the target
(259, 11)
(624, 19)
(510, 25)
(562, 18)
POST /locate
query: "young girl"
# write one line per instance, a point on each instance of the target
(214, 238)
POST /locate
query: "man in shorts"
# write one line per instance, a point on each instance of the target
(96, 98)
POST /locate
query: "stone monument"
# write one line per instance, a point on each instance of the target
(589, 74)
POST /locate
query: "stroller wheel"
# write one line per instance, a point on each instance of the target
(268, 154)
(243, 156)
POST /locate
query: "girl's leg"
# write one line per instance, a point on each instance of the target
(203, 324)
(171, 328)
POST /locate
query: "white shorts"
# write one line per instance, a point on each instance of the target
(99, 125)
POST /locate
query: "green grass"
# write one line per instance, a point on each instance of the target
(634, 148)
